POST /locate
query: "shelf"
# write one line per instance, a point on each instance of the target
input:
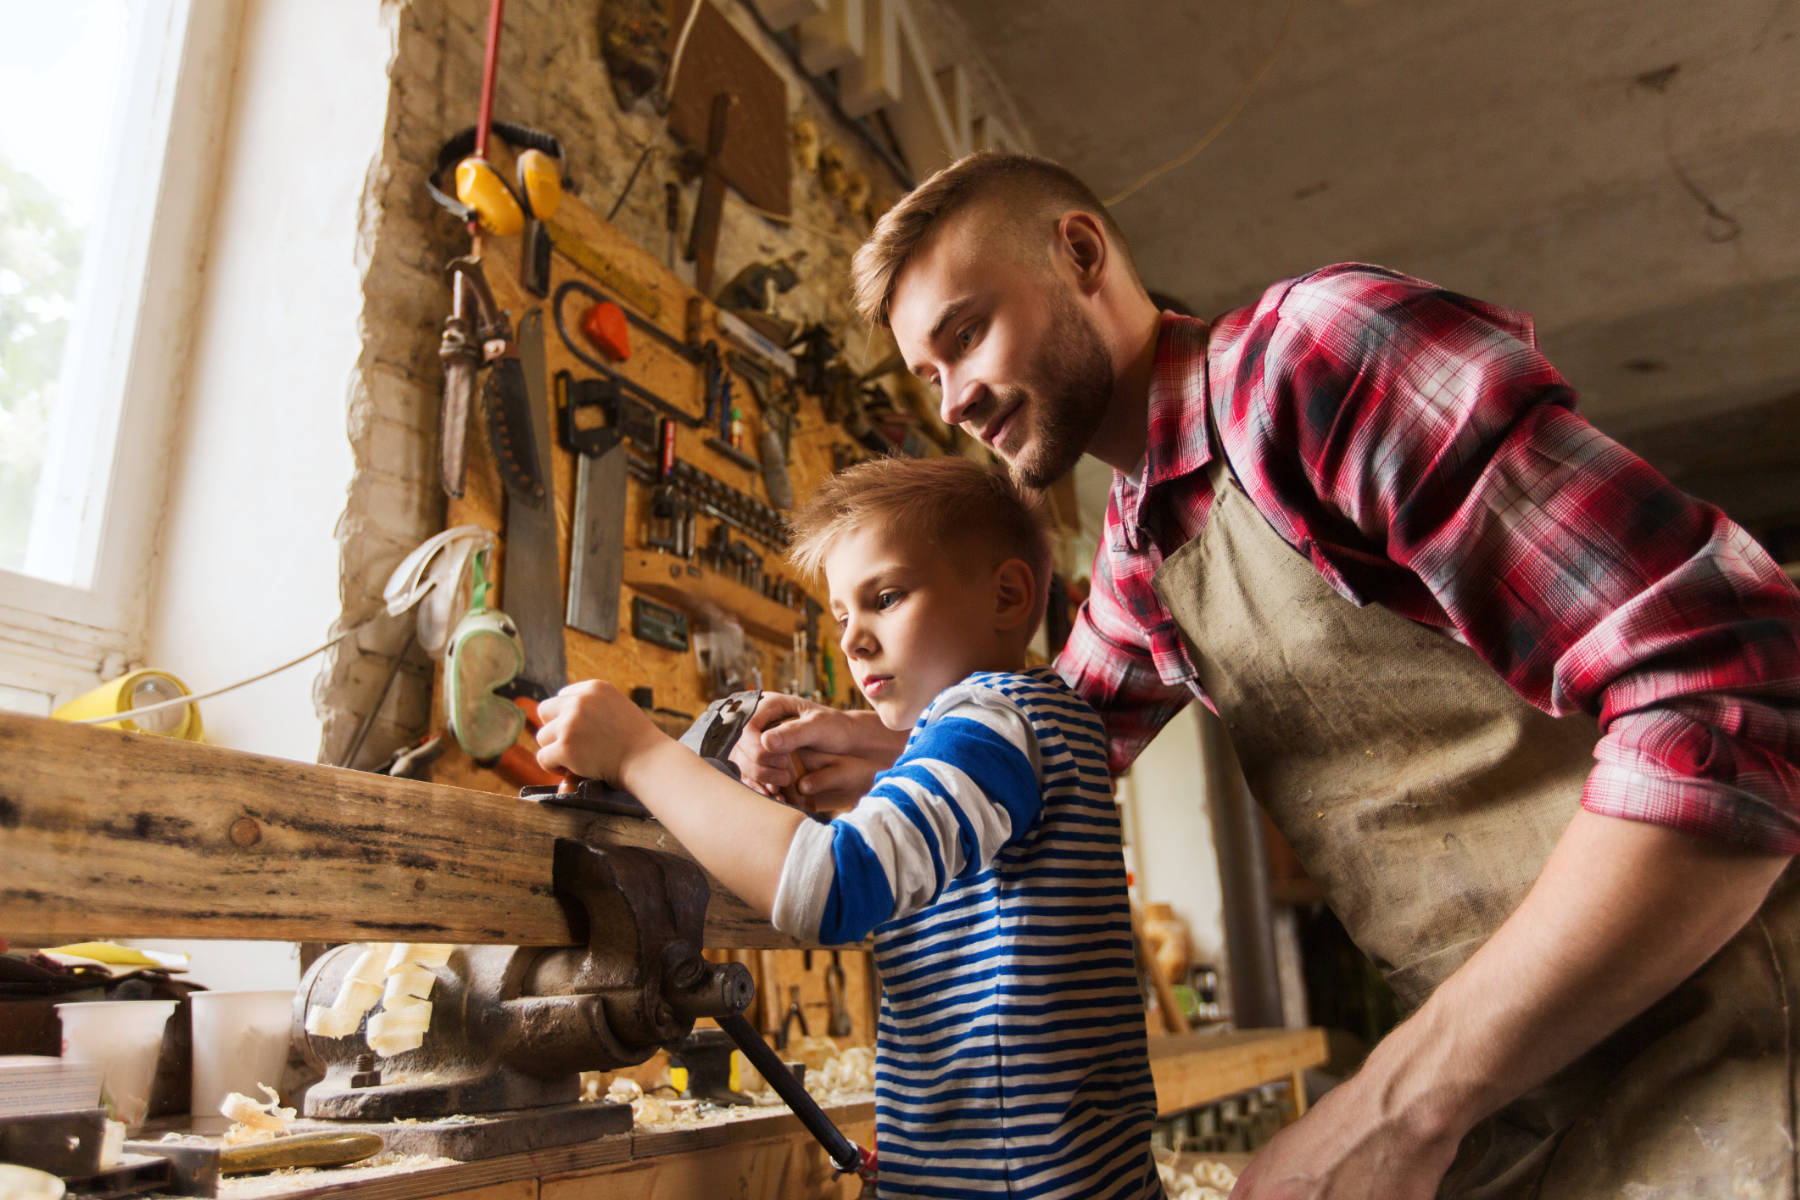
(696, 590)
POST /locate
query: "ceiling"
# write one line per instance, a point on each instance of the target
(1628, 171)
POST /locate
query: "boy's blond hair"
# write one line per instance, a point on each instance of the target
(943, 502)
(1034, 186)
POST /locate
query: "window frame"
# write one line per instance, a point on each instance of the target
(126, 362)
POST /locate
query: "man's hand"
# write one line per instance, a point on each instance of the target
(838, 754)
(1347, 1148)
(1622, 912)
(593, 730)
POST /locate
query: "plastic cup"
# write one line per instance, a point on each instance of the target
(124, 1038)
(240, 1040)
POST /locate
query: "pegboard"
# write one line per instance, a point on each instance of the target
(663, 578)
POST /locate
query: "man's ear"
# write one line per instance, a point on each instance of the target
(1082, 244)
(1015, 594)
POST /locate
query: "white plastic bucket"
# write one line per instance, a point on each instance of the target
(240, 1041)
(124, 1037)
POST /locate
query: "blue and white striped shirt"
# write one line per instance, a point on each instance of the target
(1011, 1055)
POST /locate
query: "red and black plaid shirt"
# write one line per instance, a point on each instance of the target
(1419, 451)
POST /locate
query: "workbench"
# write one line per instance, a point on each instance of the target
(117, 834)
(1191, 1069)
(765, 1157)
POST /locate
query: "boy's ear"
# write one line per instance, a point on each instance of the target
(1015, 594)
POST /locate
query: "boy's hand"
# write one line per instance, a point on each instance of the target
(840, 752)
(591, 729)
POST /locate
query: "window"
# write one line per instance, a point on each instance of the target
(113, 114)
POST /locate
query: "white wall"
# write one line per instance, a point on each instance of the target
(247, 566)
(1172, 853)
(246, 569)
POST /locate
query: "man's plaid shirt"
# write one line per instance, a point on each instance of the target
(1419, 451)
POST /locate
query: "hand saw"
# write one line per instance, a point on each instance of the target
(597, 542)
(519, 424)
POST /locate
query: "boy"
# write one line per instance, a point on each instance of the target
(987, 861)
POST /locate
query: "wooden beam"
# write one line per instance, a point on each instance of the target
(872, 81)
(922, 117)
(782, 14)
(112, 834)
(832, 39)
(1197, 1068)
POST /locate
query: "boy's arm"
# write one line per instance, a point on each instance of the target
(968, 784)
(591, 729)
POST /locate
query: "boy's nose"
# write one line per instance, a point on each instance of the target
(857, 642)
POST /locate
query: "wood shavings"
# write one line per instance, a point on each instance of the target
(426, 954)
(1202, 1180)
(396, 975)
(851, 1071)
(357, 994)
(252, 1120)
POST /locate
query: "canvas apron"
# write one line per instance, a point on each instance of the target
(1424, 796)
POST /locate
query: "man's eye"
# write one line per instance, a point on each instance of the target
(965, 337)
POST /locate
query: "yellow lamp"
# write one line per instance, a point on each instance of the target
(138, 689)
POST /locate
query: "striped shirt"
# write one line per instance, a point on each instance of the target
(1011, 1055)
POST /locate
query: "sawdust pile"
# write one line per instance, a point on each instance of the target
(834, 1078)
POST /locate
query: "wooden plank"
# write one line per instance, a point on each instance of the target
(833, 38)
(1197, 1068)
(782, 14)
(622, 1165)
(771, 1158)
(921, 116)
(113, 834)
(872, 81)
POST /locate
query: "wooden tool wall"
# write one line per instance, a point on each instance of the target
(685, 584)
(696, 589)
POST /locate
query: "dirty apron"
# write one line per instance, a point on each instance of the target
(1424, 796)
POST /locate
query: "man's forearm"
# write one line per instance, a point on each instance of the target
(875, 741)
(1622, 912)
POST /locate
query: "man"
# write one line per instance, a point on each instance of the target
(1530, 716)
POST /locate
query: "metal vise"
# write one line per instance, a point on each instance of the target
(512, 1027)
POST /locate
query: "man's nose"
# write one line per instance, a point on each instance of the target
(961, 401)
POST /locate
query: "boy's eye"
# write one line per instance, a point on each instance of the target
(888, 599)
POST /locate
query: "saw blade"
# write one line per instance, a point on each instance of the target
(533, 580)
(506, 406)
(597, 560)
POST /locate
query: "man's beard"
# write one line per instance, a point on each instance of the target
(1072, 386)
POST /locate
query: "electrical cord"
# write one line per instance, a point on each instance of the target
(179, 701)
(1218, 127)
(687, 27)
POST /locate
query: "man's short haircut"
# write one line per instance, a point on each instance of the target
(1032, 184)
(951, 505)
